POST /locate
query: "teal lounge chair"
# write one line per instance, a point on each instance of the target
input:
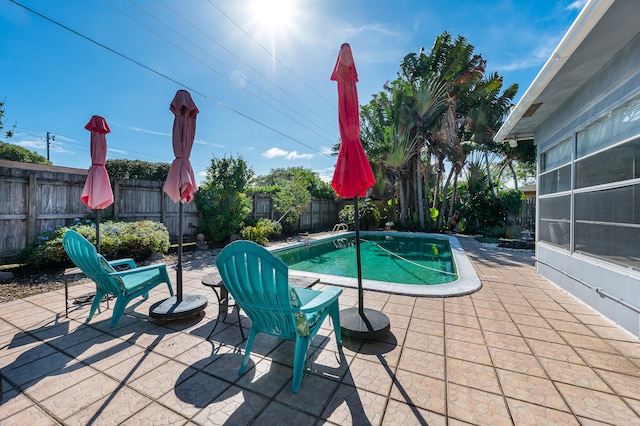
(259, 282)
(124, 285)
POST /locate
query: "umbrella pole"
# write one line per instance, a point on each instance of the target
(359, 322)
(356, 224)
(98, 230)
(179, 266)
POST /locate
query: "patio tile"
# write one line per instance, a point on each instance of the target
(398, 413)
(571, 327)
(545, 334)
(464, 334)
(420, 391)
(468, 352)
(276, 412)
(194, 394)
(156, 414)
(370, 376)
(629, 349)
(424, 363)
(607, 331)
(350, 405)
(462, 320)
(58, 381)
(506, 341)
(516, 361)
(79, 396)
(472, 375)
(526, 414)
(137, 365)
(382, 352)
(588, 342)
(426, 326)
(266, 378)
(623, 384)
(40, 367)
(32, 416)
(227, 365)
(535, 390)
(598, 406)
(609, 362)
(176, 345)
(315, 392)
(163, 379)
(233, 407)
(114, 409)
(476, 406)
(557, 351)
(498, 326)
(425, 342)
(13, 402)
(529, 320)
(574, 374)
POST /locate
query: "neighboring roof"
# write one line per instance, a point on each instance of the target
(601, 29)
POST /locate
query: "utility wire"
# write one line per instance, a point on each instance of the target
(158, 73)
(332, 125)
(270, 54)
(218, 72)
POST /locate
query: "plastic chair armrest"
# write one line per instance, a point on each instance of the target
(127, 261)
(139, 269)
(322, 299)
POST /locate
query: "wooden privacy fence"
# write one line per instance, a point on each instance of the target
(319, 214)
(37, 197)
(528, 214)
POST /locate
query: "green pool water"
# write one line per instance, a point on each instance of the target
(398, 259)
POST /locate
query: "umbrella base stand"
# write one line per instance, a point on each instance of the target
(370, 326)
(169, 309)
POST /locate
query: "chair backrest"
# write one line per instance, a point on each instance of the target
(259, 282)
(84, 255)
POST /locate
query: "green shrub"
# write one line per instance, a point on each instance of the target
(117, 239)
(369, 215)
(261, 232)
(513, 232)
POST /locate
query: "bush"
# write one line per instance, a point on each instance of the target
(369, 215)
(261, 232)
(117, 239)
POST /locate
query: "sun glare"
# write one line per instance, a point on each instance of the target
(274, 15)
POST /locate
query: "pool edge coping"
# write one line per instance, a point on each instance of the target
(468, 281)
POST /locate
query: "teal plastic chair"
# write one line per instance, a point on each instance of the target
(259, 282)
(124, 285)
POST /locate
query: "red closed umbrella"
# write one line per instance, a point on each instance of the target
(97, 193)
(352, 176)
(351, 179)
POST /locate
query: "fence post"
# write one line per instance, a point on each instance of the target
(116, 200)
(31, 209)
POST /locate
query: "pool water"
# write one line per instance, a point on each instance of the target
(400, 259)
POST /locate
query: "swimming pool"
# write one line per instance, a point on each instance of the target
(395, 262)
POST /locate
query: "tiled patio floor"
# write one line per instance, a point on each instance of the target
(519, 351)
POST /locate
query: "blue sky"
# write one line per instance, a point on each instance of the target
(259, 75)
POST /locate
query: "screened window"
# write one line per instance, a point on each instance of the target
(613, 165)
(555, 220)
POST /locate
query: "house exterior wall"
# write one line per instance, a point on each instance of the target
(563, 216)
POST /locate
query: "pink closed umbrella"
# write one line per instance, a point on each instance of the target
(181, 181)
(180, 187)
(97, 193)
(351, 179)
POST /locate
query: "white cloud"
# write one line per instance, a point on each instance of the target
(577, 5)
(293, 155)
(274, 152)
(287, 155)
(151, 132)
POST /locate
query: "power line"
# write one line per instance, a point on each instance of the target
(332, 125)
(216, 71)
(158, 73)
(269, 53)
